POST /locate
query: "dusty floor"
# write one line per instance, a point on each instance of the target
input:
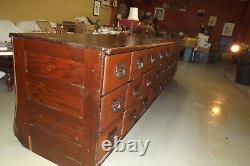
(201, 119)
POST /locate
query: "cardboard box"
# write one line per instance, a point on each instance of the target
(84, 28)
(190, 42)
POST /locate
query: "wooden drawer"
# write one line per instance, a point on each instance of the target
(116, 71)
(112, 106)
(131, 116)
(138, 64)
(134, 91)
(152, 59)
(147, 83)
(109, 134)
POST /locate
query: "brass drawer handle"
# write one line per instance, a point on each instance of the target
(120, 70)
(149, 83)
(136, 91)
(140, 64)
(152, 59)
(117, 105)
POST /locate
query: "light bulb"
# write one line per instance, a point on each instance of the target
(235, 48)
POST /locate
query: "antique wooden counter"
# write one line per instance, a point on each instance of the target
(74, 91)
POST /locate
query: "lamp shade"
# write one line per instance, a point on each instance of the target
(133, 14)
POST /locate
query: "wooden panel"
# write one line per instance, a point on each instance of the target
(57, 122)
(116, 71)
(53, 148)
(66, 98)
(113, 130)
(134, 91)
(112, 106)
(57, 68)
(55, 50)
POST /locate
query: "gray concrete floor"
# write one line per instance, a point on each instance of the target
(201, 119)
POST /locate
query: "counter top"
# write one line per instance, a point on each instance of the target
(107, 44)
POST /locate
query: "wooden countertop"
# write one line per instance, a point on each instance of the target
(107, 44)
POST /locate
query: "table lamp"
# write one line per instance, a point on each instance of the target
(133, 16)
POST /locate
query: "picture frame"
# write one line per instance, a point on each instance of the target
(159, 13)
(212, 21)
(228, 29)
(106, 2)
(96, 8)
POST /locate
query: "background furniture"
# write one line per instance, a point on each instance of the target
(243, 69)
(74, 91)
(6, 65)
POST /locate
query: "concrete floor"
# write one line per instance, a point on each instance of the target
(201, 119)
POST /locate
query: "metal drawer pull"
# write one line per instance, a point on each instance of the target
(136, 91)
(145, 103)
(112, 135)
(149, 83)
(140, 64)
(152, 59)
(162, 54)
(133, 117)
(157, 75)
(116, 105)
(120, 70)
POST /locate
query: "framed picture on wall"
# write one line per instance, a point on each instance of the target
(106, 2)
(159, 13)
(96, 8)
(228, 29)
(212, 21)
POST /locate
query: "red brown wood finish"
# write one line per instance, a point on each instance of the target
(72, 95)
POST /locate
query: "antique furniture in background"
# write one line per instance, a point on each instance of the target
(74, 91)
(6, 65)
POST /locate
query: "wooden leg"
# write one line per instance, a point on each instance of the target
(9, 79)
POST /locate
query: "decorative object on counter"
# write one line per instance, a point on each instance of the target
(133, 16)
(96, 8)
(159, 13)
(95, 23)
(106, 2)
(118, 27)
(228, 29)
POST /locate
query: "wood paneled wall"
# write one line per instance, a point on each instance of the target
(189, 22)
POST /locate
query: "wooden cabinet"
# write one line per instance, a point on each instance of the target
(75, 91)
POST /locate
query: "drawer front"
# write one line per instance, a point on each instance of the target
(147, 84)
(112, 106)
(152, 59)
(109, 134)
(138, 64)
(130, 118)
(116, 71)
(134, 91)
